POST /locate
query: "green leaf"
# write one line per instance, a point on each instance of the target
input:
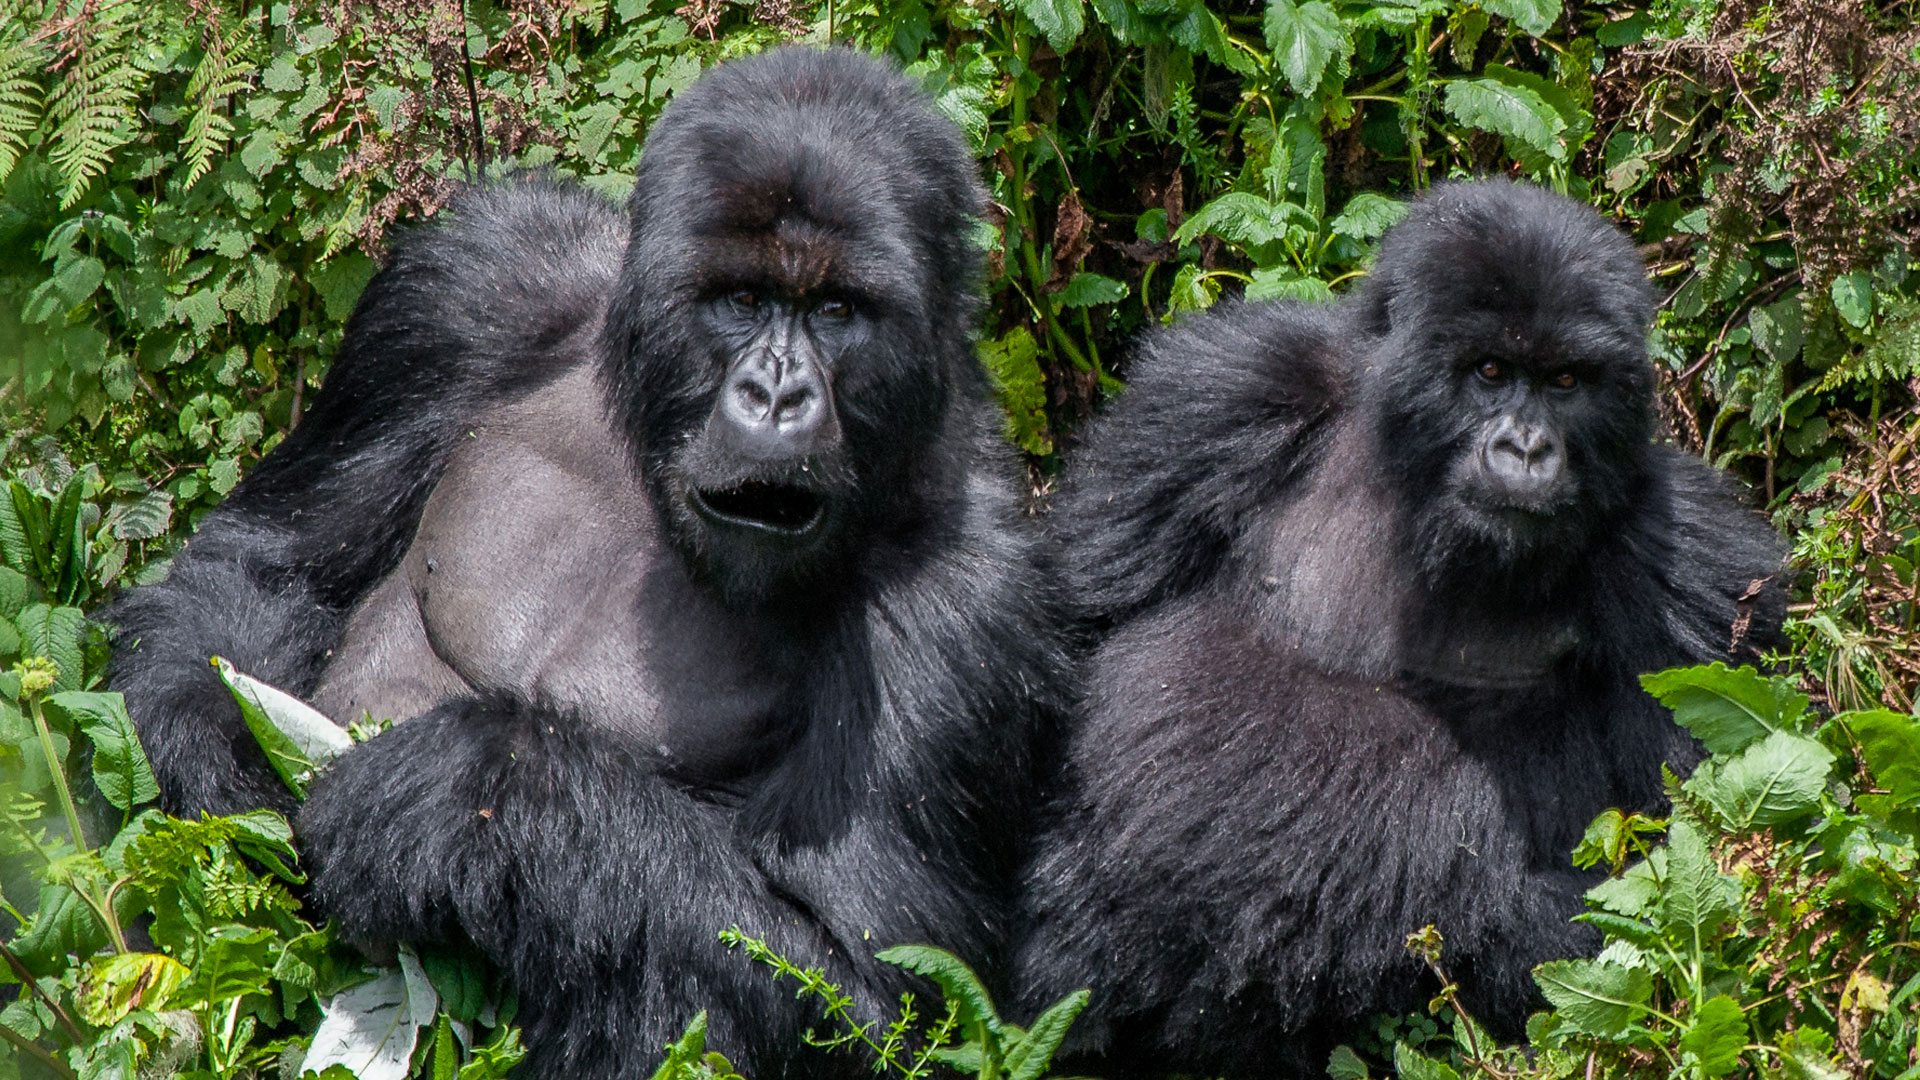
(1726, 708)
(16, 589)
(1516, 112)
(120, 768)
(1029, 1058)
(1087, 289)
(1410, 1064)
(1277, 283)
(55, 633)
(1061, 21)
(340, 280)
(1806, 1053)
(1853, 298)
(963, 989)
(1013, 363)
(1776, 780)
(1698, 896)
(1595, 997)
(1779, 329)
(1890, 743)
(1635, 893)
(72, 283)
(296, 737)
(115, 985)
(1344, 1064)
(146, 518)
(1368, 216)
(1716, 1036)
(1238, 217)
(460, 981)
(1305, 38)
(1536, 17)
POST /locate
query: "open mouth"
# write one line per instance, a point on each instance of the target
(755, 504)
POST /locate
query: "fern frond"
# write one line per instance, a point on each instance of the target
(93, 99)
(224, 70)
(1892, 356)
(22, 61)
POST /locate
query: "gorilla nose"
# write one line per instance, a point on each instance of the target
(777, 408)
(1525, 458)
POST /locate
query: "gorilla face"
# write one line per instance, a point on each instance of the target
(1512, 386)
(794, 313)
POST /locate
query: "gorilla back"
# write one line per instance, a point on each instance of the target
(683, 548)
(1376, 579)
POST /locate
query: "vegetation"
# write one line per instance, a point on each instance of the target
(192, 194)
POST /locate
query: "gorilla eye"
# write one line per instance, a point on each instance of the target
(744, 298)
(834, 309)
(1565, 380)
(1491, 371)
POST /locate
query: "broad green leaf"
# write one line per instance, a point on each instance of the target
(340, 280)
(1516, 112)
(1726, 708)
(16, 589)
(55, 633)
(1853, 298)
(1276, 283)
(1344, 1064)
(460, 981)
(1716, 1036)
(1028, 1060)
(963, 989)
(120, 768)
(1060, 21)
(1779, 329)
(1778, 779)
(372, 1029)
(1198, 30)
(1304, 38)
(1890, 743)
(1192, 290)
(1368, 216)
(1595, 997)
(1806, 1053)
(1238, 217)
(1086, 289)
(1536, 17)
(686, 1051)
(115, 985)
(297, 738)
(1410, 1064)
(1698, 896)
(146, 518)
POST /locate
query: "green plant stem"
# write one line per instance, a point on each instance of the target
(58, 769)
(31, 1049)
(19, 969)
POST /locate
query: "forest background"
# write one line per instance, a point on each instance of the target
(193, 193)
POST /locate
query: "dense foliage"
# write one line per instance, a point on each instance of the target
(192, 194)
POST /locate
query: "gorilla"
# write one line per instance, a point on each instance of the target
(684, 548)
(1371, 583)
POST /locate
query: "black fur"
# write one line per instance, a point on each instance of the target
(825, 742)
(1342, 691)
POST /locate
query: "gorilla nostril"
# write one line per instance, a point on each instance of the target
(753, 395)
(795, 405)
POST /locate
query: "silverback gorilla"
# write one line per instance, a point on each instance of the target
(683, 545)
(1376, 580)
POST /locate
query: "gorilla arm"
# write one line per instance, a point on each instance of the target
(1221, 414)
(465, 312)
(1354, 820)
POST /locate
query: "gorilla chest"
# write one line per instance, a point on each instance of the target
(537, 571)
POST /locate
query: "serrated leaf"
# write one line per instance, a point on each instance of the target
(120, 767)
(1028, 1059)
(372, 1029)
(1304, 38)
(1086, 289)
(146, 518)
(1368, 216)
(1593, 996)
(1776, 780)
(1344, 1064)
(1238, 217)
(1059, 21)
(1410, 1064)
(1779, 329)
(1698, 896)
(16, 590)
(1515, 112)
(55, 633)
(1276, 283)
(1727, 709)
(1890, 744)
(964, 991)
(1536, 17)
(1716, 1035)
(1853, 298)
(1013, 363)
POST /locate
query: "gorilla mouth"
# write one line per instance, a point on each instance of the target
(758, 504)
